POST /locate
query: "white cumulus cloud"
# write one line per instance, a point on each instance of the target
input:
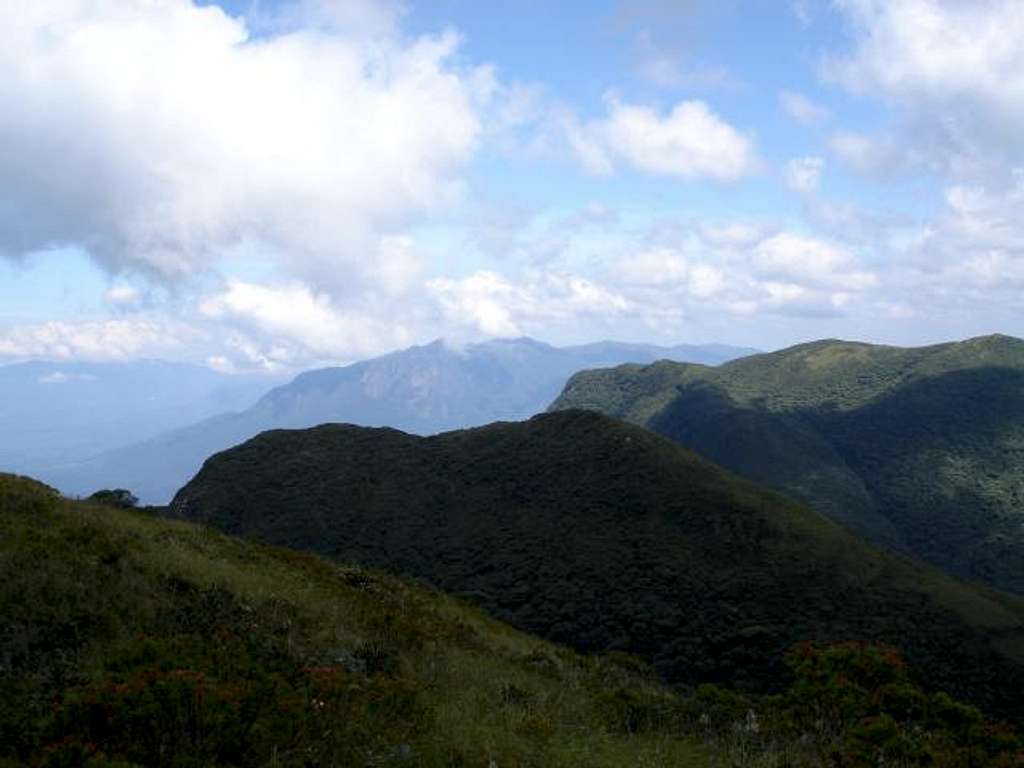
(94, 340)
(690, 142)
(300, 324)
(496, 305)
(953, 73)
(808, 260)
(158, 133)
(122, 295)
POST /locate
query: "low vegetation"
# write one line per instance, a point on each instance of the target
(129, 640)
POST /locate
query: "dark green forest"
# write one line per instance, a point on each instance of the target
(921, 450)
(607, 537)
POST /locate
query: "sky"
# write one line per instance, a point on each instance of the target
(275, 185)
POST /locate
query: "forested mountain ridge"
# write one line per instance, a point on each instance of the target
(605, 536)
(921, 449)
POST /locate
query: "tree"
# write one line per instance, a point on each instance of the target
(117, 497)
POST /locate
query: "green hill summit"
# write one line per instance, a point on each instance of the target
(920, 449)
(596, 533)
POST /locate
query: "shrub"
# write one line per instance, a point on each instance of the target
(117, 497)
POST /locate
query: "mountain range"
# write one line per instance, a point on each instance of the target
(918, 449)
(424, 389)
(605, 536)
(728, 569)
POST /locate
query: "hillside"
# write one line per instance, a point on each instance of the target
(133, 641)
(423, 389)
(605, 536)
(920, 449)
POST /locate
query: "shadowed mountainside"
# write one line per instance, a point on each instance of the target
(918, 449)
(600, 534)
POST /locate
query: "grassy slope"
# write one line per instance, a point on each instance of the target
(163, 643)
(920, 449)
(597, 533)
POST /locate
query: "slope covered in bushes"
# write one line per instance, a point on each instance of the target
(605, 536)
(131, 641)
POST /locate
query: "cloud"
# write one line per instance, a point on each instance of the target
(311, 141)
(739, 269)
(972, 219)
(658, 266)
(803, 174)
(494, 305)
(122, 295)
(285, 325)
(398, 267)
(601, 281)
(874, 155)
(803, 109)
(660, 280)
(988, 219)
(974, 249)
(667, 72)
(732, 235)
(666, 267)
(100, 340)
(809, 260)
(952, 71)
(362, 18)
(936, 48)
(803, 10)
(743, 270)
(667, 68)
(484, 301)
(959, 269)
(689, 142)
